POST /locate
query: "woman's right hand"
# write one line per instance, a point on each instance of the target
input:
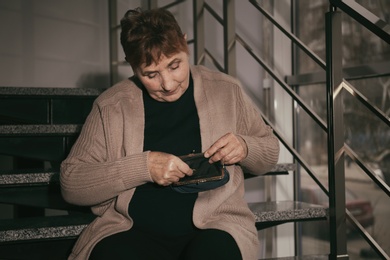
(166, 169)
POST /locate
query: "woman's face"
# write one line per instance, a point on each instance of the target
(167, 80)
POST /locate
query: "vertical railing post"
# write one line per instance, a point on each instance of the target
(336, 175)
(113, 43)
(229, 34)
(198, 13)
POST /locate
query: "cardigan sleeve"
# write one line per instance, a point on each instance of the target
(223, 106)
(90, 176)
(263, 145)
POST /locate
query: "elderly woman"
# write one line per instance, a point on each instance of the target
(128, 153)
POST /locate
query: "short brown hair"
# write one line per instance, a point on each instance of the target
(146, 35)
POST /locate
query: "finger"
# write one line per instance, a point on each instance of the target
(225, 159)
(218, 156)
(230, 154)
(237, 155)
(169, 179)
(231, 161)
(225, 154)
(218, 145)
(184, 168)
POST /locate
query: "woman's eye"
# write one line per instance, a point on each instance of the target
(151, 76)
(175, 66)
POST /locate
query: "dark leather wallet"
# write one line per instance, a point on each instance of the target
(203, 170)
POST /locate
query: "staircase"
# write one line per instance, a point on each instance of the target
(37, 129)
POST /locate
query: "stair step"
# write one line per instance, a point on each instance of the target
(41, 237)
(46, 197)
(278, 169)
(44, 177)
(48, 92)
(70, 226)
(58, 249)
(302, 257)
(41, 189)
(30, 177)
(54, 237)
(45, 105)
(38, 228)
(273, 213)
(40, 130)
(40, 142)
(267, 214)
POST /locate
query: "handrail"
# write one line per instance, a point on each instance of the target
(354, 92)
(213, 60)
(366, 71)
(286, 87)
(365, 18)
(295, 154)
(381, 183)
(174, 3)
(378, 249)
(291, 36)
(213, 13)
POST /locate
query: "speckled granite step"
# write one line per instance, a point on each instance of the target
(41, 188)
(302, 257)
(39, 130)
(28, 177)
(37, 177)
(38, 182)
(55, 227)
(33, 91)
(277, 212)
(70, 226)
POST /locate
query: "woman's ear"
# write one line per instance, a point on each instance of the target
(185, 36)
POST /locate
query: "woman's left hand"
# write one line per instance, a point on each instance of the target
(229, 149)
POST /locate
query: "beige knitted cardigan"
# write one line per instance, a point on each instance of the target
(107, 162)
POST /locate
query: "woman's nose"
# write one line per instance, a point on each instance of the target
(167, 83)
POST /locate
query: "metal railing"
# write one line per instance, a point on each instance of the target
(334, 127)
(381, 29)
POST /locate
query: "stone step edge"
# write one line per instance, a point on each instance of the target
(39, 130)
(38, 228)
(52, 176)
(32, 92)
(287, 211)
(302, 257)
(70, 231)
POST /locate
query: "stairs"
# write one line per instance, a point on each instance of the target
(37, 129)
(38, 141)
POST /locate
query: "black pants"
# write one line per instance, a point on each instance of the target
(139, 245)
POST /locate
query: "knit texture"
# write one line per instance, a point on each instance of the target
(107, 161)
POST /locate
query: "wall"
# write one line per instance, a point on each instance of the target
(54, 43)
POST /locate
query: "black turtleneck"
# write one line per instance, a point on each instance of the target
(170, 127)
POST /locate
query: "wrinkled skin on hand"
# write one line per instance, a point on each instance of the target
(166, 169)
(229, 149)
